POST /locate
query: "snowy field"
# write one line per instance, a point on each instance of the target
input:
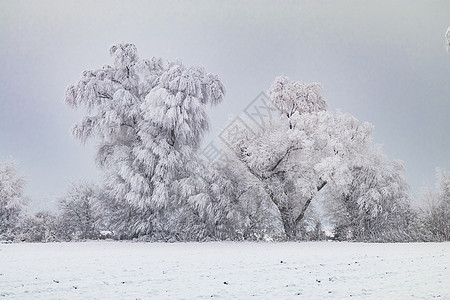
(225, 270)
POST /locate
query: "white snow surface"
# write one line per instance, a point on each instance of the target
(224, 270)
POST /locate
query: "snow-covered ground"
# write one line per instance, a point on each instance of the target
(125, 270)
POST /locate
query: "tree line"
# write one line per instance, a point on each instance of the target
(148, 118)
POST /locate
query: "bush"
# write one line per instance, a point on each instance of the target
(42, 227)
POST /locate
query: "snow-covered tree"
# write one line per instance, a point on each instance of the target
(296, 156)
(80, 215)
(375, 206)
(41, 227)
(436, 212)
(308, 149)
(149, 120)
(291, 97)
(11, 198)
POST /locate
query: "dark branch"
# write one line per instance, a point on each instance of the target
(308, 202)
(289, 150)
(104, 96)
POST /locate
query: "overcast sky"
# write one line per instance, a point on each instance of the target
(384, 62)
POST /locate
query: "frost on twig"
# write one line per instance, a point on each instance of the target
(447, 39)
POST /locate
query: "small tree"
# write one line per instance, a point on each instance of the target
(11, 198)
(375, 206)
(42, 227)
(436, 213)
(294, 97)
(79, 211)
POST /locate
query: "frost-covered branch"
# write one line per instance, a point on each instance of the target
(307, 203)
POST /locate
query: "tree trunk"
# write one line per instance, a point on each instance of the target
(289, 222)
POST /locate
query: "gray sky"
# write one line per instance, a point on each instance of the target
(382, 61)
